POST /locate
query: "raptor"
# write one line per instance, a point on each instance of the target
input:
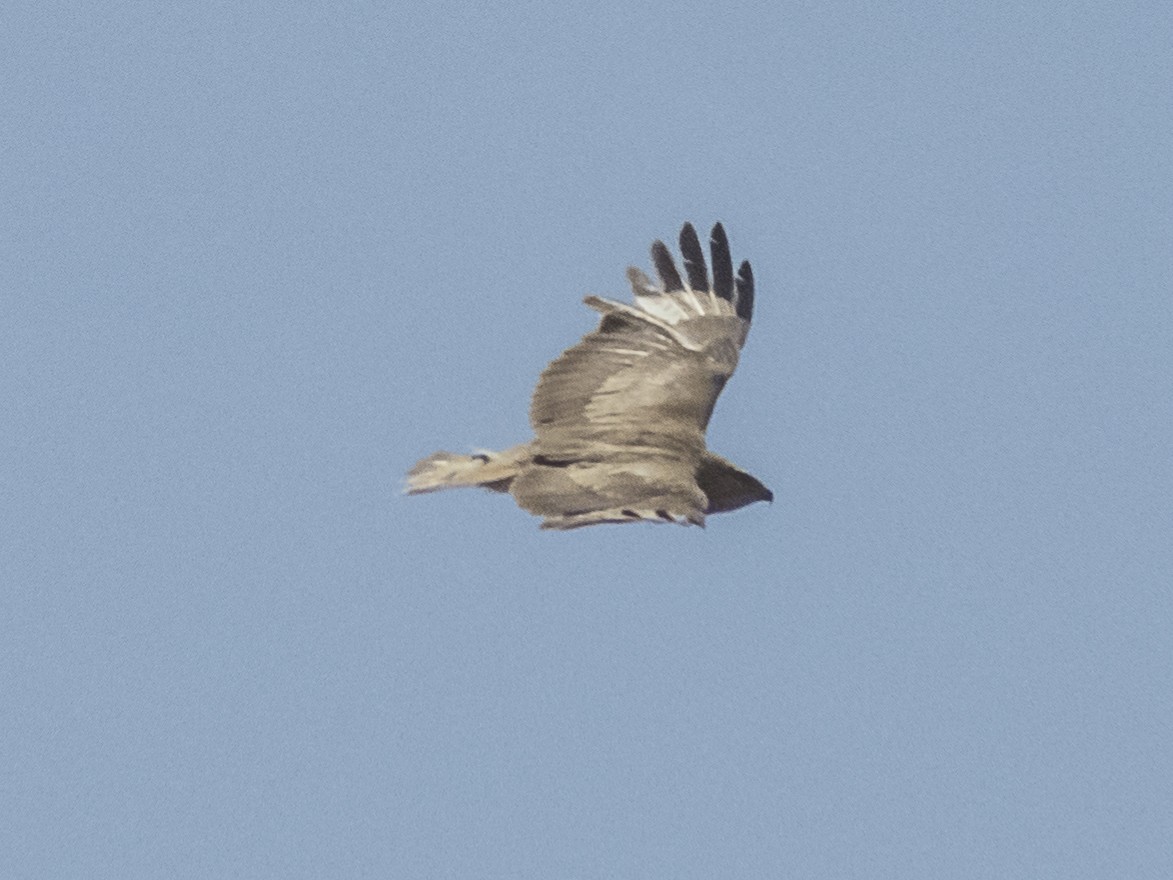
(619, 419)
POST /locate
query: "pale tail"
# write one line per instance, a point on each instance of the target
(447, 470)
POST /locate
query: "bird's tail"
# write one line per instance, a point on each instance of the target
(447, 470)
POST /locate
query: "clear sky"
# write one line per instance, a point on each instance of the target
(256, 259)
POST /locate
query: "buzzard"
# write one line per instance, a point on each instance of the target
(619, 419)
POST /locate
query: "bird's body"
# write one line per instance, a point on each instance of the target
(619, 419)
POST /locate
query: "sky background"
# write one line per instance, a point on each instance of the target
(256, 259)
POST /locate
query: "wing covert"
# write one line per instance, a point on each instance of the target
(624, 390)
(646, 381)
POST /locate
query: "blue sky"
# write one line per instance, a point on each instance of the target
(256, 260)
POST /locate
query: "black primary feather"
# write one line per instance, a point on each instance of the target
(722, 263)
(666, 266)
(745, 292)
(694, 259)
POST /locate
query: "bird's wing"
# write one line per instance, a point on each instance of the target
(645, 382)
(571, 494)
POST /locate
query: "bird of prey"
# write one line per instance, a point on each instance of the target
(619, 419)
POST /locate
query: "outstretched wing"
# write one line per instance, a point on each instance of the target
(643, 385)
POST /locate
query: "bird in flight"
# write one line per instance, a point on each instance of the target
(619, 419)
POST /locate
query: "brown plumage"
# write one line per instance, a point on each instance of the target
(619, 419)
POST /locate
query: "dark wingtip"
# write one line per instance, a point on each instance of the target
(694, 259)
(722, 263)
(745, 292)
(666, 266)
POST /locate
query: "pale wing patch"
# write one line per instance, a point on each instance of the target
(675, 306)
